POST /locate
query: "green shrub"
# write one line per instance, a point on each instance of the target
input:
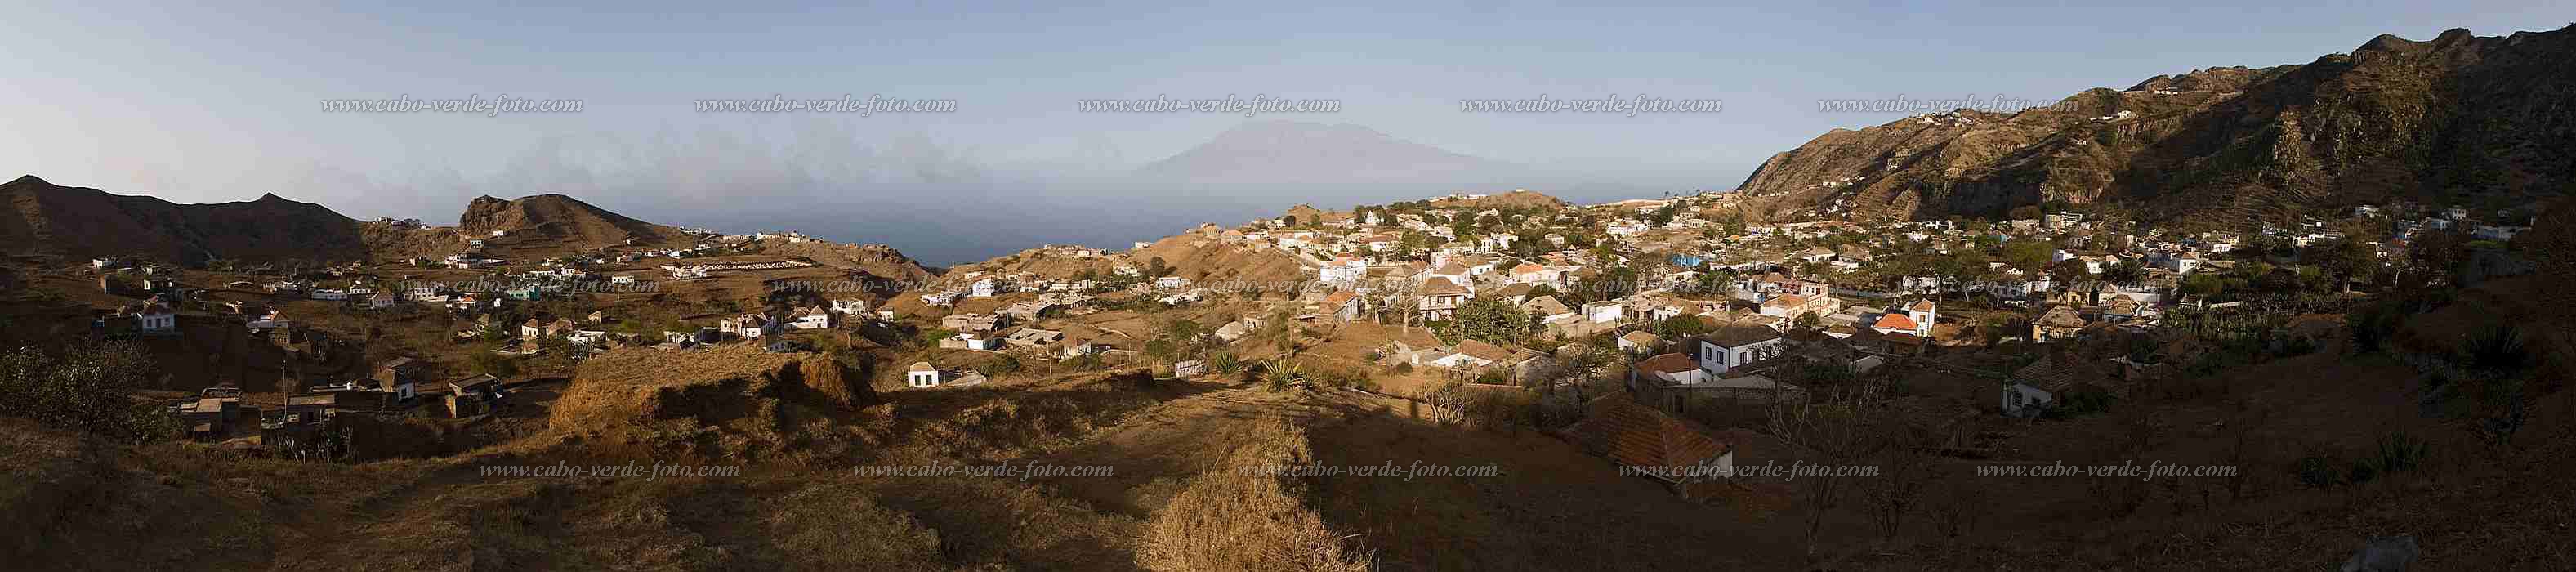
(2316, 469)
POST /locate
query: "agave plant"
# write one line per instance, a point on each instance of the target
(2498, 351)
(1283, 374)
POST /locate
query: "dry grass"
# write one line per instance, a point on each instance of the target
(1225, 520)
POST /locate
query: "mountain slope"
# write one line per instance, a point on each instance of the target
(2460, 119)
(83, 222)
(570, 222)
(1305, 153)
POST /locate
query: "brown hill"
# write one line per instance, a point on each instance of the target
(570, 222)
(877, 260)
(84, 222)
(2460, 119)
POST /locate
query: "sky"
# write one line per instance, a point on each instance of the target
(224, 103)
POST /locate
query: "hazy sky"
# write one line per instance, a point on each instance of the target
(215, 103)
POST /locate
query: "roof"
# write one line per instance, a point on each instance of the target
(1526, 268)
(476, 381)
(1786, 301)
(1894, 321)
(1739, 335)
(1641, 337)
(921, 366)
(1437, 286)
(1922, 306)
(1635, 435)
(2055, 373)
(2060, 316)
(1668, 363)
(1483, 351)
(1547, 305)
(1751, 382)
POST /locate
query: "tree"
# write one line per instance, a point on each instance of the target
(1841, 433)
(1002, 365)
(1162, 349)
(1278, 329)
(1405, 304)
(1492, 320)
(2070, 274)
(2127, 271)
(493, 364)
(1678, 327)
(85, 389)
(1415, 242)
(1611, 283)
(2028, 255)
(2348, 260)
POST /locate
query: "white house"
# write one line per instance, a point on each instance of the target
(968, 341)
(1472, 354)
(750, 325)
(156, 318)
(1643, 341)
(921, 374)
(2041, 385)
(1603, 311)
(942, 298)
(983, 288)
(1916, 319)
(1342, 271)
(1667, 369)
(852, 306)
(1737, 344)
(330, 294)
(811, 318)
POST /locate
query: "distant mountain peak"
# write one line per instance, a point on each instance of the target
(1295, 152)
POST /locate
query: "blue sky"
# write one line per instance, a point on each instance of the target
(217, 103)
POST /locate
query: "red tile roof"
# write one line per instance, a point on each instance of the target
(1668, 363)
(1635, 435)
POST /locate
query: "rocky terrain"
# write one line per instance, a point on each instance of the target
(2476, 120)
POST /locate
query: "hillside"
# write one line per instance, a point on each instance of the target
(1521, 198)
(80, 222)
(565, 220)
(875, 259)
(2460, 119)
